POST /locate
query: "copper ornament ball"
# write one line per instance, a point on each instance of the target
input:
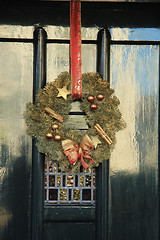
(49, 135)
(90, 98)
(55, 126)
(94, 106)
(100, 97)
(57, 137)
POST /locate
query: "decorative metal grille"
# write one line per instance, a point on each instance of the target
(62, 188)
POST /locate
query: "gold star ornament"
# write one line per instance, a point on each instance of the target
(95, 140)
(63, 92)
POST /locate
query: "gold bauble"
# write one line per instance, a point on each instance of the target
(94, 106)
(55, 126)
(100, 97)
(57, 137)
(90, 98)
(49, 135)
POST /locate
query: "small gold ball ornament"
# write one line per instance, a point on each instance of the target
(55, 126)
(49, 135)
(100, 97)
(94, 106)
(90, 98)
(57, 137)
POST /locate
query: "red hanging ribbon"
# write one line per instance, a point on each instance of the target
(75, 31)
(74, 152)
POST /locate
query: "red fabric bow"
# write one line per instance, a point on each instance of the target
(74, 152)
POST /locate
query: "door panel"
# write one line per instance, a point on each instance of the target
(64, 222)
(15, 145)
(134, 162)
(69, 231)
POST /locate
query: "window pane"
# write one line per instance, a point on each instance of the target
(89, 52)
(15, 146)
(135, 80)
(57, 60)
(152, 34)
(16, 90)
(16, 31)
(134, 162)
(53, 32)
(60, 32)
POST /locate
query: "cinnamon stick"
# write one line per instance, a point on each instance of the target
(104, 133)
(101, 132)
(53, 114)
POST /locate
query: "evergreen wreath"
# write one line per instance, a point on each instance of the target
(107, 116)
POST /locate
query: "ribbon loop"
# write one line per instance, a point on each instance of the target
(75, 30)
(74, 152)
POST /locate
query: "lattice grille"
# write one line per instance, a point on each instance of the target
(61, 188)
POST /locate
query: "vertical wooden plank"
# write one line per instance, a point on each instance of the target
(103, 67)
(38, 159)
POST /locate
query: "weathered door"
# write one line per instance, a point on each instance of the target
(123, 204)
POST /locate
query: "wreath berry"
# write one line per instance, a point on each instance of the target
(46, 120)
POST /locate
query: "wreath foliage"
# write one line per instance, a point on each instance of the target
(108, 116)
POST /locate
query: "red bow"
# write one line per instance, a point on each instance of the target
(74, 152)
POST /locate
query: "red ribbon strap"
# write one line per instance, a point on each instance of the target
(74, 152)
(75, 30)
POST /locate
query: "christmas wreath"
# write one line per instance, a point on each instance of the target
(70, 148)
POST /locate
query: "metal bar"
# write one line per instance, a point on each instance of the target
(23, 40)
(58, 41)
(38, 159)
(89, 41)
(134, 42)
(71, 201)
(47, 198)
(72, 194)
(67, 195)
(67, 41)
(92, 185)
(61, 183)
(56, 179)
(103, 67)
